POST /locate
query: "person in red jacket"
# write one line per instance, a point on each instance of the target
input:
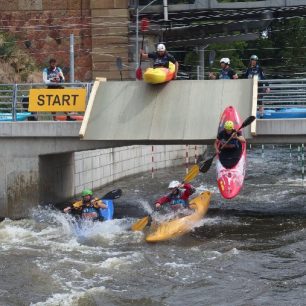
(178, 196)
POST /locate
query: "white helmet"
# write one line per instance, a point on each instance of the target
(225, 60)
(174, 184)
(161, 47)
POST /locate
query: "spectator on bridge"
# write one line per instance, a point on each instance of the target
(255, 69)
(53, 75)
(226, 72)
(161, 58)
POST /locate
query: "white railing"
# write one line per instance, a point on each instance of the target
(14, 101)
(282, 98)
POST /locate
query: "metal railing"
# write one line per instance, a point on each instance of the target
(14, 101)
(282, 96)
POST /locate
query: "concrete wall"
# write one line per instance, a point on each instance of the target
(28, 179)
(99, 167)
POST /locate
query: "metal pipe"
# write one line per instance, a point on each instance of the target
(71, 58)
(165, 10)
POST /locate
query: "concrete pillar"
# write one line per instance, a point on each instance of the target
(18, 182)
(56, 177)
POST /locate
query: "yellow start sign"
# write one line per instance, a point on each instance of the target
(57, 100)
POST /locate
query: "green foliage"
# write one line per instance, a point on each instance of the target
(280, 55)
(15, 64)
(7, 45)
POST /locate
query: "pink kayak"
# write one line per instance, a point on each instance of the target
(231, 167)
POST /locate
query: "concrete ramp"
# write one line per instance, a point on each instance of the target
(175, 112)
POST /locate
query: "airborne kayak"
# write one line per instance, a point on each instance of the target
(178, 227)
(159, 75)
(231, 168)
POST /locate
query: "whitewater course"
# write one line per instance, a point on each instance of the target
(249, 250)
(246, 251)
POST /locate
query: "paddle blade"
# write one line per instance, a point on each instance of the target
(204, 166)
(140, 224)
(192, 173)
(144, 24)
(139, 73)
(114, 194)
(247, 122)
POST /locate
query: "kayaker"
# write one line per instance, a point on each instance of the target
(230, 153)
(226, 72)
(178, 196)
(161, 58)
(87, 207)
(255, 69)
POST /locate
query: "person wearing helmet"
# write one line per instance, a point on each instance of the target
(87, 207)
(226, 72)
(255, 69)
(161, 58)
(178, 195)
(230, 140)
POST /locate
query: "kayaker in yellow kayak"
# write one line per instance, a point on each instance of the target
(178, 196)
(161, 58)
(88, 206)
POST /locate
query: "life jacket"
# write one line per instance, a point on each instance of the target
(177, 201)
(161, 61)
(226, 74)
(223, 136)
(88, 212)
(252, 71)
(53, 73)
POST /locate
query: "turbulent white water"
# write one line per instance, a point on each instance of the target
(247, 251)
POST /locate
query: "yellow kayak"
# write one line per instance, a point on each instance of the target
(178, 227)
(159, 75)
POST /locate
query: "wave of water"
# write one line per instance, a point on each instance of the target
(247, 251)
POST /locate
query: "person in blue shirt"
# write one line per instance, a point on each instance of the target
(226, 72)
(255, 69)
(53, 75)
(161, 58)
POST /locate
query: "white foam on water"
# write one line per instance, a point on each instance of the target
(116, 263)
(69, 299)
(145, 205)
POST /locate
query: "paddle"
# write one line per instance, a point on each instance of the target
(112, 195)
(142, 223)
(204, 166)
(144, 24)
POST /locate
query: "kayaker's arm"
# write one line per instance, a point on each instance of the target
(239, 137)
(162, 201)
(98, 203)
(75, 206)
(143, 54)
(216, 145)
(176, 69)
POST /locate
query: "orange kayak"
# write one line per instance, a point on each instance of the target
(159, 75)
(178, 227)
